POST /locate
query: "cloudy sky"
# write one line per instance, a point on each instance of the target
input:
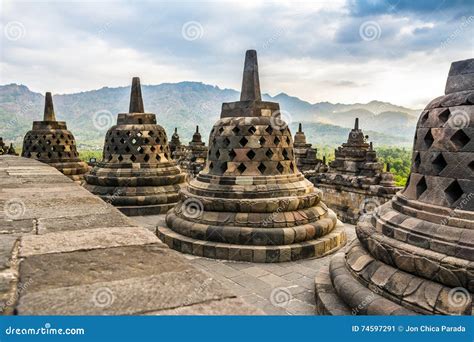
(339, 51)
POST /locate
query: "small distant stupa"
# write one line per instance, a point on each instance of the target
(51, 142)
(356, 180)
(250, 202)
(306, 156)
(137, 173)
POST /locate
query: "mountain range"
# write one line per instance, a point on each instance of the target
(187, 104)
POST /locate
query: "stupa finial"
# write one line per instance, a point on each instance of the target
(49, 108)
(197, 129)
(300, 128)
(136, 100)
(250, 80)
(356, 124)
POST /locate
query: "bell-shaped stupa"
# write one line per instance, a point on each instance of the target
(415, 253)
(250, 202)
(136, 174)
(52, 143)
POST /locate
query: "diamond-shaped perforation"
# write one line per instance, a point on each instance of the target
(460, 139)
(243, 141)
(421, 187)
(252, 130)
(226, 142)
(224, 167)
(428, 139)
(269, 130)
(251, 154)
(218, 154)
(444, 115)
(276, 141)
(261, 167)
(236, 130)
(262, 141)
(425, 117)
(439, 163)
(232, 154)
(285, 154)
(453, 192)
(269, 153)
(241, 168)
(280, 167)
(417, 161)
(471, 166)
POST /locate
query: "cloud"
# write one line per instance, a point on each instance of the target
(76, 46)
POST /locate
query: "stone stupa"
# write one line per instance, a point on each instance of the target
(250, 202)
(306, 155)
(136, 174)
(196, 154)
(52, 143)
(415, 253)
(355, 182)
(175, 142)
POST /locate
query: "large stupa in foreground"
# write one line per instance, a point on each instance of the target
(250, 202)
(415, 253)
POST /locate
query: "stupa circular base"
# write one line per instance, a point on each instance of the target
(355, 283)
(146, 209)
(260, 254)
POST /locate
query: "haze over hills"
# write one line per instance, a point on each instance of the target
(187, 104)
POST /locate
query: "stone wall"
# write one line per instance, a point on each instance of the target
(64, 251)
(350, 203)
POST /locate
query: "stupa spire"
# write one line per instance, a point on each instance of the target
(136, 100)
(48, 108)
(356, 124)
(300, 128)
(250, 80)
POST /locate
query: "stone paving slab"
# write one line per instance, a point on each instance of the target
(65, 251)
(69, 241)
(277, 289)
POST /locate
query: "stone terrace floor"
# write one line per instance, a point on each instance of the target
(289, 285)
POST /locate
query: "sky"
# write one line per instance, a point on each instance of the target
(351, 51)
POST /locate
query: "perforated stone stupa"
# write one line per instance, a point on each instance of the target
(250, 202)
(415, 254)
(136, 174)
(196, 154)
(175, 143)
(306, 155)
(356, 180)
(52, 143)
(5, 149)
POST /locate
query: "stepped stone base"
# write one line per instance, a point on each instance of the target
(147, 209)
(261, 254)
(356, 283)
